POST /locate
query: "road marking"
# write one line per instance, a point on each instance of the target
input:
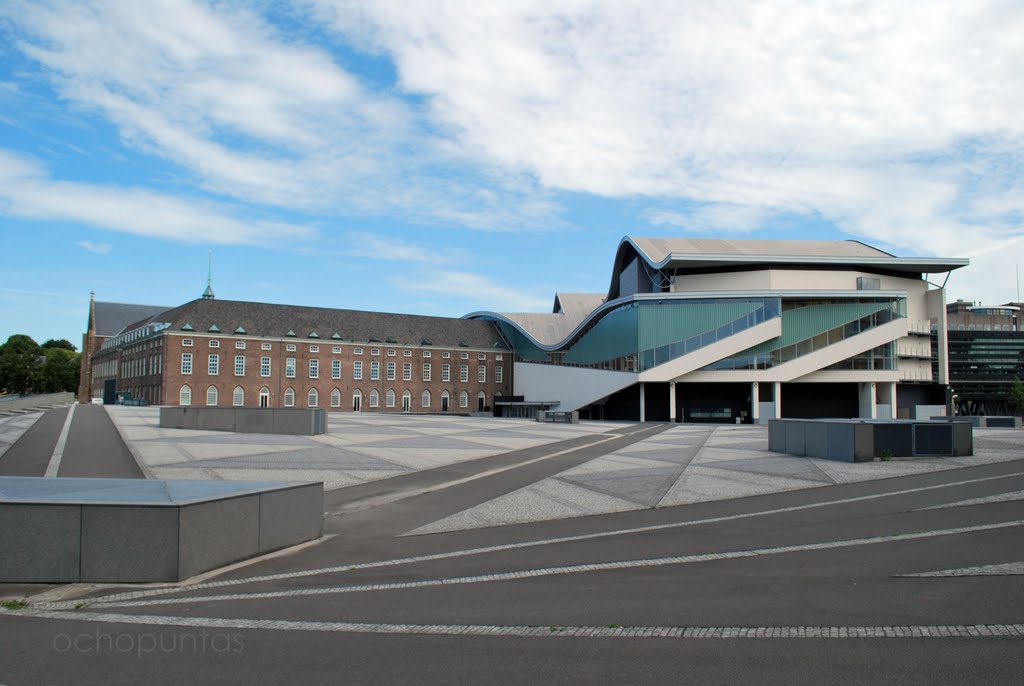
(58, 450)
(1005, 569)
(551, 631)
(548, 541)
(564, 570)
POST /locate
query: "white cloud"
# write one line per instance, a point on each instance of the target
(98, 248)
(374, 247)
(469, 291)
(27, 192)
(254, 114)
(900, 123)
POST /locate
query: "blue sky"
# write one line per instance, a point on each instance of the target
(447, 157)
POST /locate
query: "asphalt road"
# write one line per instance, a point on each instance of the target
(814, 586)
(31, 453)
(93, 447)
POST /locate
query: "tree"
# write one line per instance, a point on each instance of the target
(60, 343)
(59, 371)
(1016, 397)
(19, 364)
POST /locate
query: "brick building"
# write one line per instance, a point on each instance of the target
(106, 320)
(212, 352)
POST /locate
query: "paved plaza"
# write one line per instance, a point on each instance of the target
(681, 465)
(497, 551)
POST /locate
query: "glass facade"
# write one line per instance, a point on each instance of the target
(809, 326)
(641, 335)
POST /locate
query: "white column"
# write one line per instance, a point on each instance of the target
(868, 401)
(777, 394)
(643, 408)
(755, 403)
(892, 399)
(671, 401)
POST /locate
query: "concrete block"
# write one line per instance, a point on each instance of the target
(896, 438)
(295, 422)
(290, 516)
(816, 440)
(842, 442)
(796, 437)
(129, 543)
(39, 543)
(963, 439)
(863, 442)
(1001, 422)
(215, 419)
(256, 420)
(776, 436)
(933, 439)
(975, 421)
(217, 533)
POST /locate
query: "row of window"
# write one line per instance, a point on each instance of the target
(337, 350)
(213, 369)
(313, 398)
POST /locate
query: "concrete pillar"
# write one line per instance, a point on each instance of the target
(755, 403)
(643, 406)
(868, 403)
(671, 401)
(777, 394)
(887, 397)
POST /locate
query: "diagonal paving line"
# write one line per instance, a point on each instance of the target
(1003, 631)
(569, 569)
(529, 544)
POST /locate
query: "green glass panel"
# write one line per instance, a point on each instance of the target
(652, 325)
(807, 322)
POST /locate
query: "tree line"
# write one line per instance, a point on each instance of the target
(27, 367)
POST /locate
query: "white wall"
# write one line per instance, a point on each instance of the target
(572, 387)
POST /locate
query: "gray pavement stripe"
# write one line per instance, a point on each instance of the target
(58, 450)
(1005, 569)
(130, 595)
(1015, 630)
(567, 569)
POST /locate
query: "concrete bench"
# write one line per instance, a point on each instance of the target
(136, 530)
(862, 440)
(256, 420)
(558, 417)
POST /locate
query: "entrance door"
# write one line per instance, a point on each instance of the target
(357, 402)
(444, 402)
(264, 398)
(480, 401)
(406, 402)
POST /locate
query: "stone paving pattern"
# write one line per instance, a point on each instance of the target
(699, 463)
(357, 448)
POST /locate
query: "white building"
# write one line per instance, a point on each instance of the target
(740, 330)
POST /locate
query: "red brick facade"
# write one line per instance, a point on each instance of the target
(152, 369)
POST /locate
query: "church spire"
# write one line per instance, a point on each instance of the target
(208, 293)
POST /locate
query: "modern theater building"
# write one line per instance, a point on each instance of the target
(701, 330)
(739, 330)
